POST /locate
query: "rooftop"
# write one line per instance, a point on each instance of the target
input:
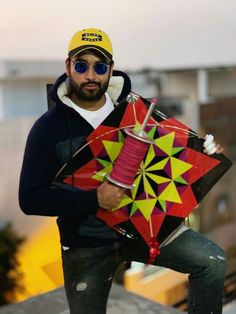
(120, 302)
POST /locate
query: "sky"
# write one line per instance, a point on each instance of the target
(144, 33)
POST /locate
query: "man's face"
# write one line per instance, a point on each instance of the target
(87, 86)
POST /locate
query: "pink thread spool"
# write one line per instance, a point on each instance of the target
(131, 155)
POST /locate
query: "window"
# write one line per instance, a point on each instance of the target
(223, 210)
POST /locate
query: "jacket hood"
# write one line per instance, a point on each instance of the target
(118, 89)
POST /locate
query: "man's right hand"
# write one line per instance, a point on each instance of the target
(109, 195)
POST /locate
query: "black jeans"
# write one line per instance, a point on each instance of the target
(88, 272)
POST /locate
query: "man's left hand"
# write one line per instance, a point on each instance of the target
(210, 146)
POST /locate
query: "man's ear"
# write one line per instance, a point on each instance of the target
(67, 62)
(111, 71)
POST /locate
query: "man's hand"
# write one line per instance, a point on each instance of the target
(210, 146)
(109, 195)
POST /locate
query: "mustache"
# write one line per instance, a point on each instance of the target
(90, 82)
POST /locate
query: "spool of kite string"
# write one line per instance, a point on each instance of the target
(132, 153)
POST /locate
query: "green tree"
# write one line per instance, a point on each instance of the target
(10, 275)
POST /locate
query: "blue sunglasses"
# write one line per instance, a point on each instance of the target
(99, 68)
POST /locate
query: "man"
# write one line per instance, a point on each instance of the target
(91, 252)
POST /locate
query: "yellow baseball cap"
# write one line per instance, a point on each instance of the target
(90, 38)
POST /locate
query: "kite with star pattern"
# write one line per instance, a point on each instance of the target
(172, 179)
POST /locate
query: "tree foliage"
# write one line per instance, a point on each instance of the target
(10, 275)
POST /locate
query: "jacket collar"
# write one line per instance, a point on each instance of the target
(119, 87)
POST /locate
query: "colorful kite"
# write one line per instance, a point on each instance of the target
(172, 179)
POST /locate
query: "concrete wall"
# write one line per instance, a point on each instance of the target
(221, 83)
(24, 98)
(13, 133)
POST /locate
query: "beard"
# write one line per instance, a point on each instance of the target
(85, 94)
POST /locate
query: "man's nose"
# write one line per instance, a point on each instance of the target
(90, 73)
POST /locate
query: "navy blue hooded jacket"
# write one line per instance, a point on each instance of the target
(51, 142)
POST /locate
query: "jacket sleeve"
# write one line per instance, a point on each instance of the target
(37, 196)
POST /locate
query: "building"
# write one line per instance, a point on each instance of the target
(204, 99)
(23, 86)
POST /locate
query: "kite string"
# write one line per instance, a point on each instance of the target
(129, 160)
(132, 153)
